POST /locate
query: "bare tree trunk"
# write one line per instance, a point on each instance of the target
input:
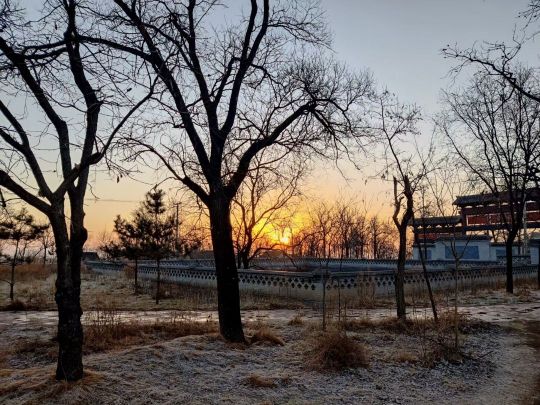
(230, 321)
(509, 263)
(136, 275)
(13, 264)
(158, 283)
(456, 319)
(325, 280)
(245, 259)
(426, 277)
(67, 297)
(400, 275)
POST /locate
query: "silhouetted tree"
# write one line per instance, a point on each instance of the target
(157, 230)
(232, 93)
(71, 113)
(398, 125)
(20, 228)
(262, 203)
(128, 243)
(493, 133)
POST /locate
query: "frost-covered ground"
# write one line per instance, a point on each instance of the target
(204, 370)
(500, 364)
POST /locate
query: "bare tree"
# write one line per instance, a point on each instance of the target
(493, 132)
(232, 91)
(501, 59)
(398, 125)
(49, 142)
(444, 181)
(46, 240)
(263, 202)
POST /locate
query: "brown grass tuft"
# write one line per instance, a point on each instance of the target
(266, 335)
(258, 381)
(406, 357)
(296, 321)
(336, 351)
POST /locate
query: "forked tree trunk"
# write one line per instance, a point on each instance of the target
(230, 321)
(401, 225)
(67, 297)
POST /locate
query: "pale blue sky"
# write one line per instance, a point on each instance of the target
(400, 41)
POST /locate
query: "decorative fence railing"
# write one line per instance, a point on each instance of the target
(310, 284)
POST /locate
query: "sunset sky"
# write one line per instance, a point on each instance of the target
(400, 43)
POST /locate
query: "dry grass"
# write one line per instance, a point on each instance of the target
(26, 272)
(268, 336)
(106, 330)
(297, 320)
(406, 357)
(336, 351)
(42, 382)
(257, 381)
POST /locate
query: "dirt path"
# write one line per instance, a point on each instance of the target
(533, 340)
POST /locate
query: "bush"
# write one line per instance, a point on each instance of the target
(258, 381)
(336, 351)
(266, 335)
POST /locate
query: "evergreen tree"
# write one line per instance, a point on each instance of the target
(20, 229)
(157, 230)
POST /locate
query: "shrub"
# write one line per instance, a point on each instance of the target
(336, 351)
(258, 381)
(266, 335)
(296, 321)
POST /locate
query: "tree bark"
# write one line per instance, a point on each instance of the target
(158, 284)
(400, 274)
(426, 275)
(13, 264)
(68, 289)
(67, 297)
(245, 259)
(509, 263)
(230, 322)
(136, 276)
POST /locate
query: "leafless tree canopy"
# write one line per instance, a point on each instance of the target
(228, 90)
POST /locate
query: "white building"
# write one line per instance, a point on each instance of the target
(473, 248)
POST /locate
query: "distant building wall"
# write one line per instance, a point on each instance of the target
(481, 250)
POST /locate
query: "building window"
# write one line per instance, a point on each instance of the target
(463, 252)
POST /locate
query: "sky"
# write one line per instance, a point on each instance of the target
(400, 42)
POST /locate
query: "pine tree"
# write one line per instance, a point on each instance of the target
(20, 229)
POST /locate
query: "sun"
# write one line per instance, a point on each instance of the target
(284, 239)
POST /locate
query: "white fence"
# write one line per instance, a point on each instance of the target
(309, 284)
